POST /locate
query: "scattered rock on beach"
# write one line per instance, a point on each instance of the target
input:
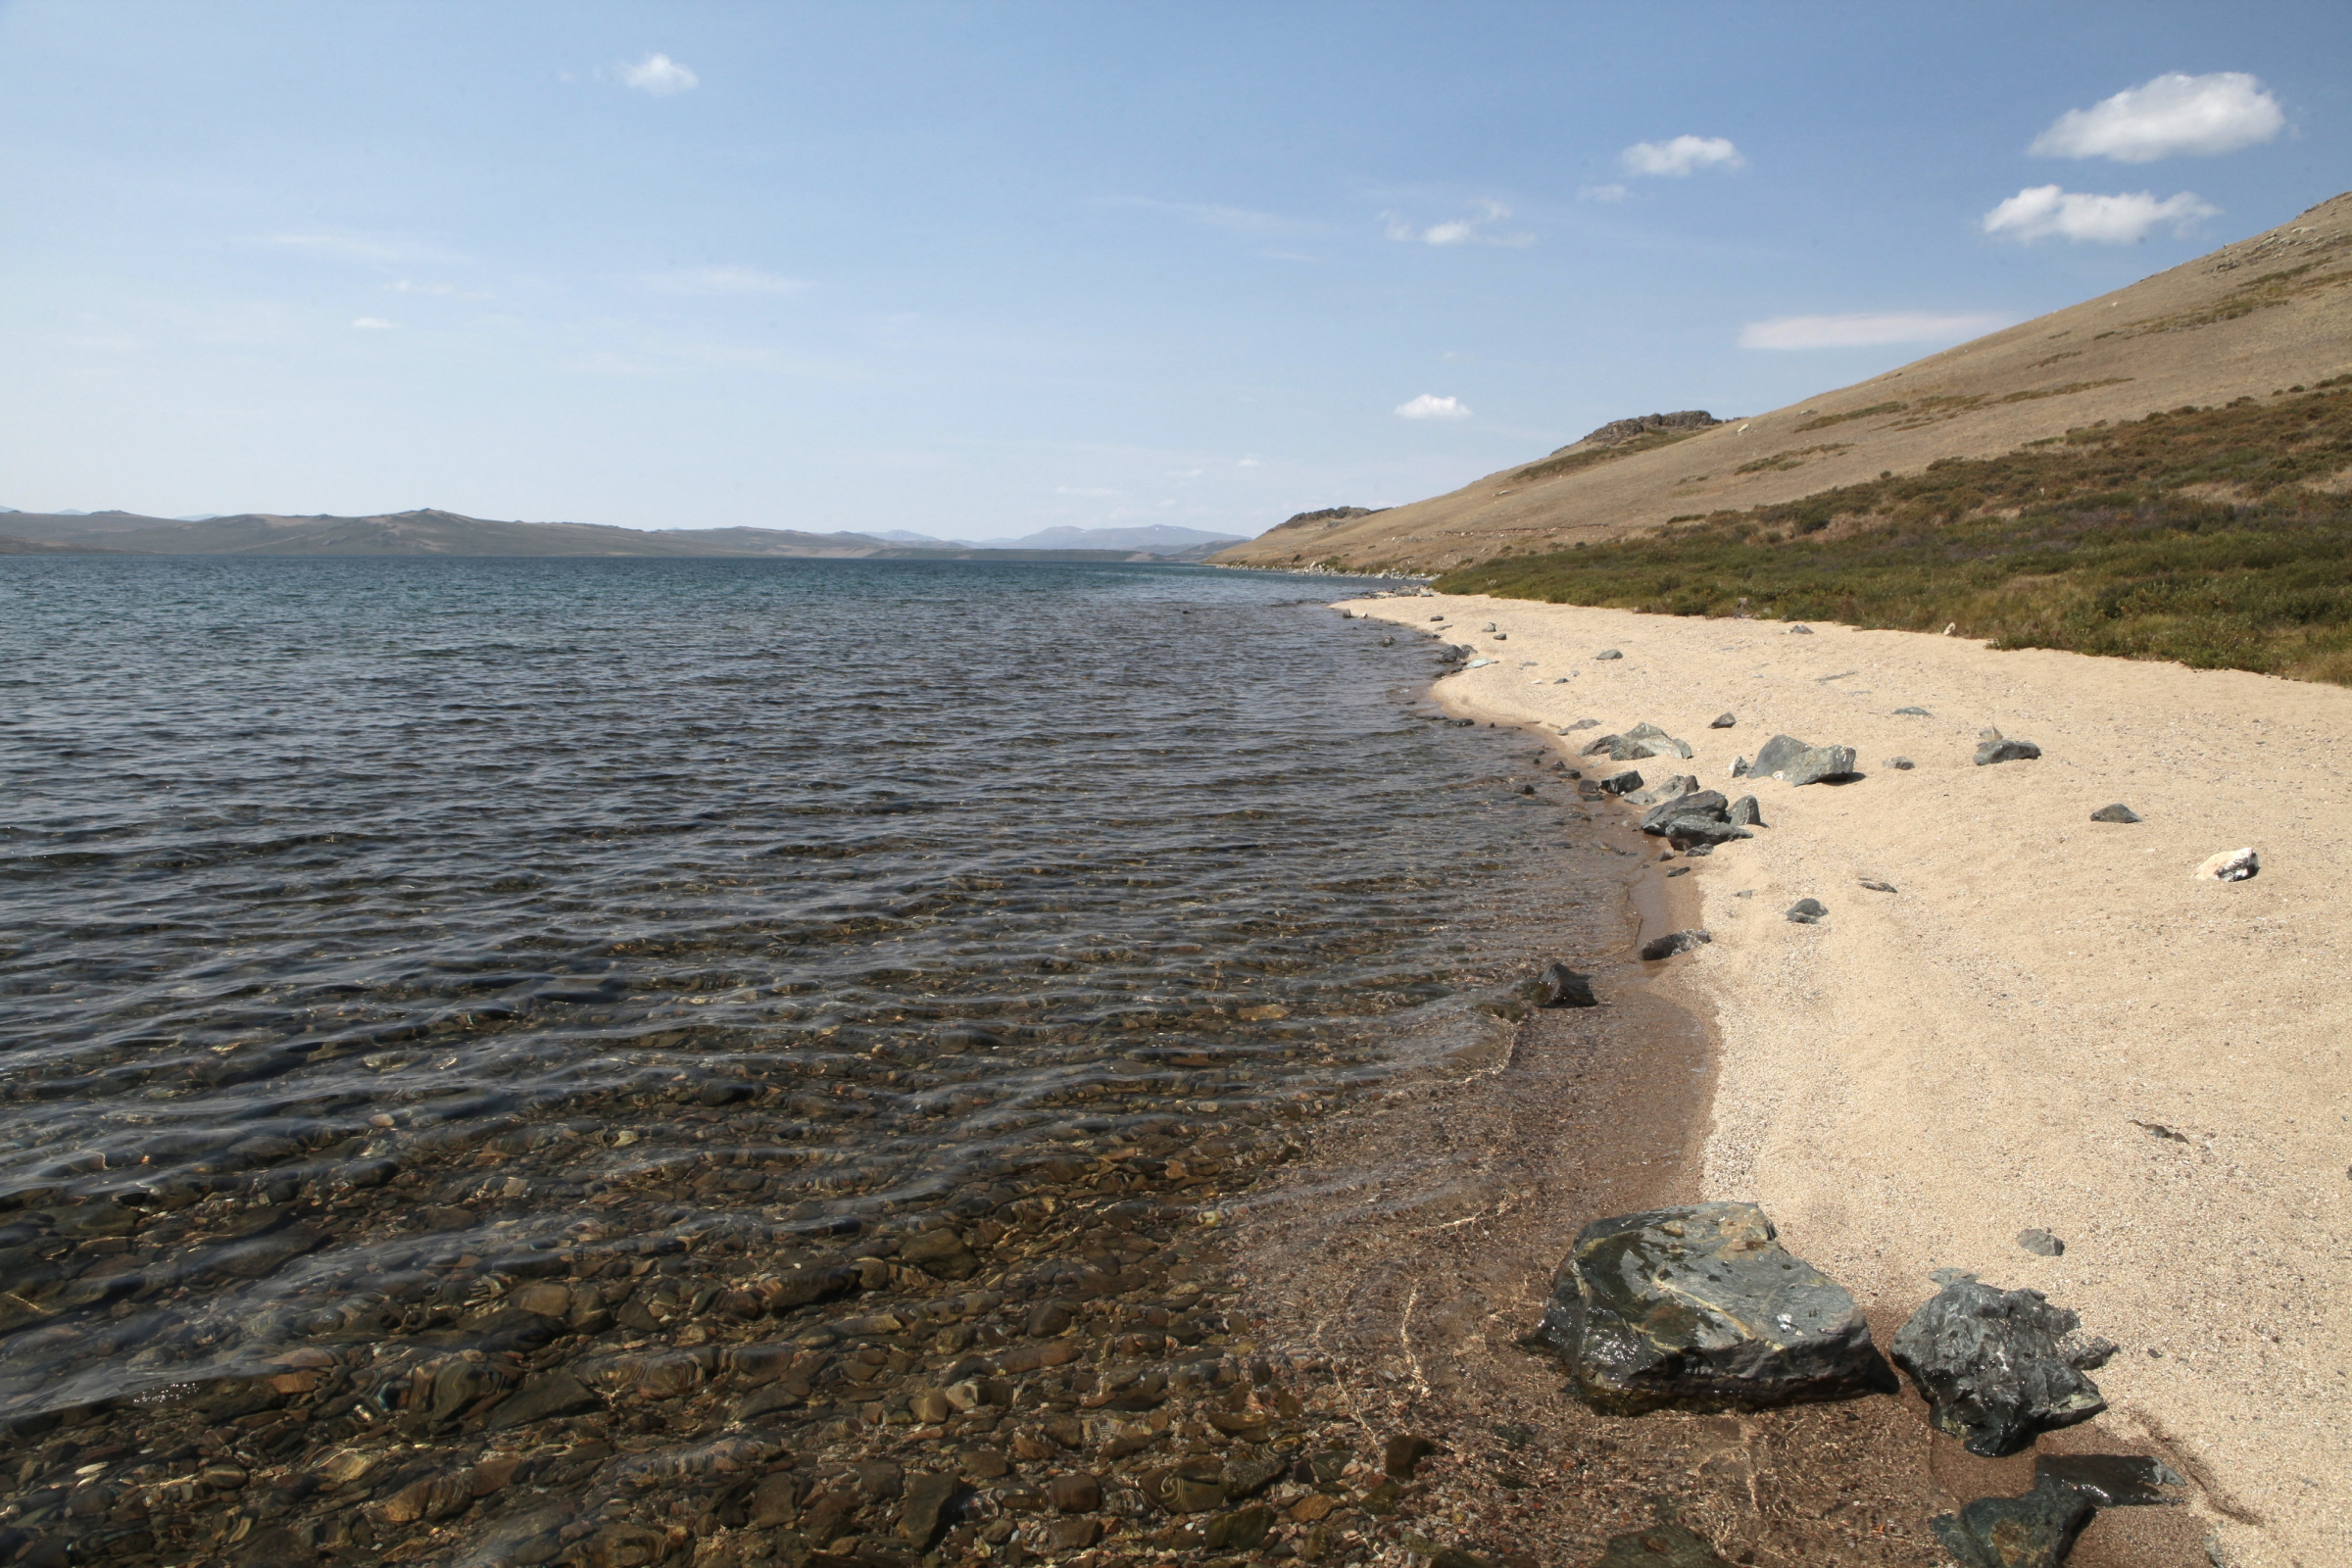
(1740, 767)
(2230, 866)
(1784, 757)
(1806, 912)
(1609, 653)
(1582, 724)
(2118, 813)
(1999, 1367)
(2035, 1531)
(1562, 987)
(2000, 750)
(1699, 1308)
(1800, 630)
(1875, 884)
(1914, 712)
(2041, 1243)
(1674, 942)
(1699, 803)
(1658, 739)
(1624, 783)
(1901, 764)
(1746, 813)
(1723, 721)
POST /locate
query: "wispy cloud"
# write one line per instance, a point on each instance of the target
(1470, 231)
(660, 76)
(1866, 330)
(725, 280)
(2044, 212)
(374, 323)
(346, 245)
(1211, 214)
(445, 291)
(1684, 155)
(1600, 194)
(2174, 115)
(1429, 406)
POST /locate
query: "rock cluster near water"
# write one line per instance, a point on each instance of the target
(1699, 1308)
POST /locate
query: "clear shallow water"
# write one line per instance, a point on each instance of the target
(368, 927)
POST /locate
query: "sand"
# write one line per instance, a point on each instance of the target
(2047, 1024)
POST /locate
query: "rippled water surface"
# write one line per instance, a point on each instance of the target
(369, 928)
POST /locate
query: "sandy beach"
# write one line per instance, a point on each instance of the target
(2048, 1023)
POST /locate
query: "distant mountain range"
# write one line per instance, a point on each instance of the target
(432, 532)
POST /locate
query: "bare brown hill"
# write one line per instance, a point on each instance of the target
(424, 532)
(2250, 319)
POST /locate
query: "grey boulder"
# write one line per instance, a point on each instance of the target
(1699, 803)
(1659, 742)
(1999, 1367)
(1807, 911)
(1723, 721)
(2002, 749)
(1609, 653)
(2035, 1531)
(1787, 757)
(1699, 1308)
(1624, 783)
(1746, 813)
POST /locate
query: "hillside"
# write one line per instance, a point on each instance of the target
(2246, 321)
(432, 532)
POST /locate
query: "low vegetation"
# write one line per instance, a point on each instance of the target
(1585, 457)
(2218, 537)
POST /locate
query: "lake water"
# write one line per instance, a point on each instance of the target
(375, 934)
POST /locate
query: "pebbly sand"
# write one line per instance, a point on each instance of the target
(2047, 1024)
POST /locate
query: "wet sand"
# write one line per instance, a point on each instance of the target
(2046, 1024)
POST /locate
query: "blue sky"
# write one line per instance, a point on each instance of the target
(981, 270)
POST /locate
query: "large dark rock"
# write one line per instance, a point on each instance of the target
(1708, 804)
(1624, 783)
(1999, 1367)
(2005, 751)
(1699, 1308)
(1798, 762)
(1660, 743)
(1674, 942)
(1698, 833)
(1746, 813)
(2035, 1531)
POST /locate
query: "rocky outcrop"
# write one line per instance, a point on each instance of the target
(1999, 1367)
(1328, 517)
(1619, 431)
(1699, 1308)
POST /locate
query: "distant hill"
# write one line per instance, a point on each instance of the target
(433, 532)
(41, 546)
(2252, 319)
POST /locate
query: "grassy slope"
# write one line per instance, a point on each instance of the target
(2213, 536)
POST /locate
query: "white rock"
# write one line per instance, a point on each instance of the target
(2230, 866)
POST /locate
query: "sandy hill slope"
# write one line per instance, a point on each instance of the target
(2250, 318)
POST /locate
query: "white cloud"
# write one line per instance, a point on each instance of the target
(1460, 231)
(1865, 331)
(660, 76)
(2041, 211)
(2173, 114)
(374, 323)
(1600, 194)
(1246, 463)
(1682, 156)
(1429, 406)
(725, 280)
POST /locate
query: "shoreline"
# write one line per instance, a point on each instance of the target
(2047, 1025)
